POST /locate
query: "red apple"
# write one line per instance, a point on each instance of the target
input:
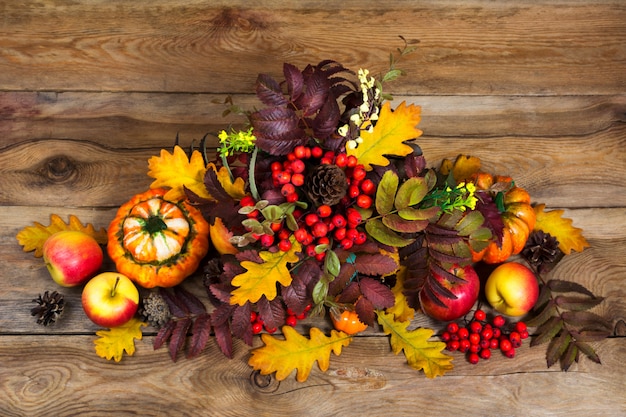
(466, 290)
(110, 299)
(512, 289)
(72, 257)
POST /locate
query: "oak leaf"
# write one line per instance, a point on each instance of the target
(419, 350)
(261, 278)
(113, 342)
(388, 136)
(236, 189)
(297, 352)
(569, 237)
(33, 237)
(401, 310)
(176, 171)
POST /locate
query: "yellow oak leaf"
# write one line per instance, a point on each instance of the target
(33, 237)
(175, 171)
(236, 189)
(297, 352)
(261, 278)
(388, 136)
(400, 309)
(570, 238)
(419, 350)
(114, 342)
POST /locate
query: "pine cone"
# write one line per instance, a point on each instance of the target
(541, 249)
(49, 307)
(155, 310)
(326, 184)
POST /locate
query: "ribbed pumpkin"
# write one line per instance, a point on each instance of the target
(518, 218)
(155, 242)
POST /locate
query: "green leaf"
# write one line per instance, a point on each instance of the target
(548, 310)
(395, 222)
(560, 285)
(320, 291)
(411, 213)
(547, 331)
(569, 357)
(557, 348)
(577, 303)
(331, 263)
(471, 222)
(411, 192)
(588, 350)
(383, 234)
(385, 193)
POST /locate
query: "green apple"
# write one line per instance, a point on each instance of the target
(110, 299)
(72, 257)
(512, 289)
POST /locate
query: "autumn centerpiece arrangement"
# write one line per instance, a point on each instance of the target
(323, 205)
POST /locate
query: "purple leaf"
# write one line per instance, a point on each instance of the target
(294, 79)
(177, 307)
(240, 323)
(365, 310)
(269, 91)
(164, 334)
(193, 304)
(224, 339)
(200, 333)
(377, 293)
(178, 337)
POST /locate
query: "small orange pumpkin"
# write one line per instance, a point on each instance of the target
(155, 242)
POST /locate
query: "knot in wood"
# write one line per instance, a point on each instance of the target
(264, 383)
(59, 169)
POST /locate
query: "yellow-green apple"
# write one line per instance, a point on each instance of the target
(512, 289)
(72, 257)
(110, 299)
(465, 288)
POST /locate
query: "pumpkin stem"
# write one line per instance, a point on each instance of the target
(154, 224)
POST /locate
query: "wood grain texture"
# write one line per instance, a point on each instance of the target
(470, 47)
(90, 89)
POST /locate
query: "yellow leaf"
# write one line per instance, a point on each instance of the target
(176, 171)
(569, 237)
(391, 130)
(33, 237)
(297, 352)
(400, 309)
(261, 278)
(236, 189)
(420, 352)
(113, 342)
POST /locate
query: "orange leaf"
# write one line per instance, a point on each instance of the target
(569, 237)
(175, 171)
(261, 278)
(33, 237)
(236, 189)
(419, 350)
(297, 352)
(392, 129)
(114, 342)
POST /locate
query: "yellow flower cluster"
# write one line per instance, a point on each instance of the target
(366, 113)
(235, 141)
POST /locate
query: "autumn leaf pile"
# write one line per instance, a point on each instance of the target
(416, 222)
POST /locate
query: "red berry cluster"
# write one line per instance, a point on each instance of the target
(292, 319)
(319, 225)
(479, 337)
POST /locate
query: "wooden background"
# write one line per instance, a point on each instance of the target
(90, 89)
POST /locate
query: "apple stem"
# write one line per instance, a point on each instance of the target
(117, 280)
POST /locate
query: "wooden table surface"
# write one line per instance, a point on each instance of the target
(89, 90)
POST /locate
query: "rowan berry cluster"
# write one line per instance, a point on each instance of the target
(258, 324)
(479, 337)
(325, 224)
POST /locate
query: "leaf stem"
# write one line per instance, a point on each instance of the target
(253, 189)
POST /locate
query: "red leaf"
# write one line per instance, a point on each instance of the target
(269, 91)
(365, 310)
(224, 339)
(294, 79)
(200, 333)
(375, 264)
(177, 307)
(272, 312)
(221, 314)
(377, 293)
(240, 323)
(178, 337)
(164, 334)
(193, 304)
(351, 293)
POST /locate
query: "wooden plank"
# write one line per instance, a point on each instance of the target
(63, 376)
(470, 47)
(121, 120)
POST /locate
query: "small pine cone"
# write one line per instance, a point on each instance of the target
(49, 307)
(326, 184)
(541, 249)
(155, 310)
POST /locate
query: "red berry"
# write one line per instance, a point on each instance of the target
(341, 160)
(320, 256)
(359, 173)
(475, 327)
(311, 218)
(473, 358)
(283, 177)
(453, 345)
(452, 327)
(464, 345)
(317, 152)
(324, 211)
(510, 353)
(253, 214)
(445, 336)
(346, 243)
(298, 166)
(505, 345)
(297, 179)
(323, 241)
(284, 234)
(340, 233)
(474, 338)
(284, 245)
(353, 216)
(291, 320)
(520, 326)
(360, 239)
(247, 201)
(276, 227)
(353, 191)
(300, 151)
(463, 333)
(287, 189)
(497, 333)
(257, 327)
(301, 316)
(339, 221)
(291, 157)
(498, 321)
(485, 343)
(267, 240)
(486, 333)
(516, 339)
(524, 334)
(352, 234)
(319, 229)
(475, 348)
(480, 315)
(364, 201)
(368, 187)
(276, 166)
(494, 343)
(300, 234)
(270, 330)
(253, 316)
(485, 353)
